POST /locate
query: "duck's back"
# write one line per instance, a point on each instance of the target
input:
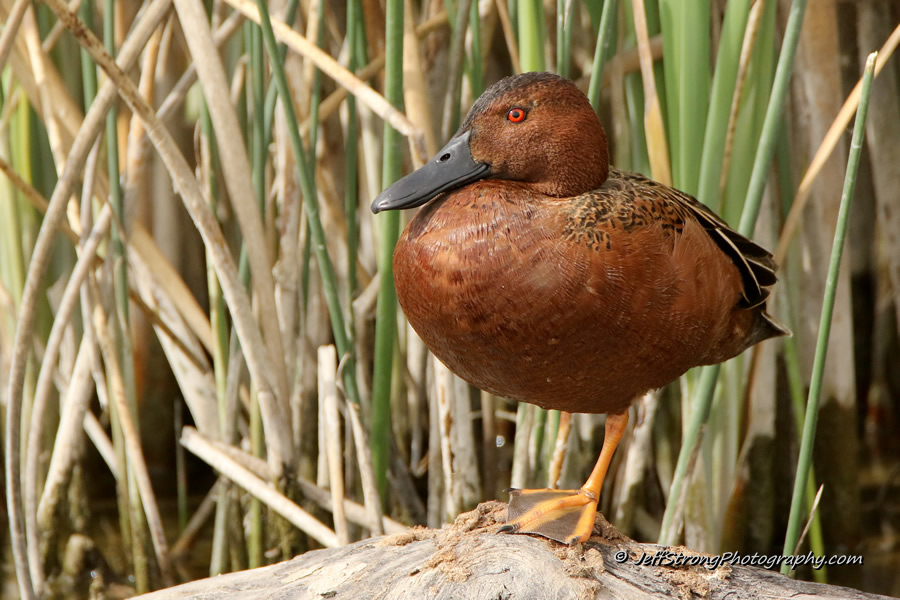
(580, 303)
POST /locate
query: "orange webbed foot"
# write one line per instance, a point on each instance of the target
(566, 516)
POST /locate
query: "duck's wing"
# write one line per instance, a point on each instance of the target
(755, 264)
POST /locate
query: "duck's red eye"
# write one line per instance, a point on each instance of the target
(516, 115)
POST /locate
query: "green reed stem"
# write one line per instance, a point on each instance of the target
(257, 122)
(181, 485)
(795, 383)
(88, 69)
(272, 92)
(476, 62)
(792, 362)
(638, 158)
(116, 200)
(269, 119)
(685, 28)
(89, 86)
(310, 201)
(750, 119)
(773, 118)
(540, 437)
(219, 326)
(122, 323)
(456, 60)
(564, 12)
(386, 311)
(12, 256)
(602, 51)
(351, 149)
(721, 97)
(795, 522)
(531, 38)
(316, 93)
(255, 535)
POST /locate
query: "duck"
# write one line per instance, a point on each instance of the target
(537, 272)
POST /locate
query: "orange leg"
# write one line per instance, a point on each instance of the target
(566, 516)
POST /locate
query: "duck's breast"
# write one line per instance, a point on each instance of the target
(574, 304)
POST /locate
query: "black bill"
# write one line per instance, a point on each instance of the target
(451, 168)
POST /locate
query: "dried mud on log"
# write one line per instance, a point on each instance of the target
(469, 560)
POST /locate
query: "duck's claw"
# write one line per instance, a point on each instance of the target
(566, 516)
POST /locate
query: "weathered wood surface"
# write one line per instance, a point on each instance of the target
(470, 561)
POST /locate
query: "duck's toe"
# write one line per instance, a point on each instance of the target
(566, 516)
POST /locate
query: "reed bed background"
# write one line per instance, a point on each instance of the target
(204, 366)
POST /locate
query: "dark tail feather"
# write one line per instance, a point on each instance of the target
(766, 326)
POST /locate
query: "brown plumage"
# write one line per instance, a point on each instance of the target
(542, 275)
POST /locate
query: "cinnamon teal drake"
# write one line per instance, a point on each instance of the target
(537, 272)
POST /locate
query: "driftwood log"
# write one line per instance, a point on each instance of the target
(470, 561)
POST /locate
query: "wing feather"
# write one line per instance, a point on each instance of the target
(754, 263)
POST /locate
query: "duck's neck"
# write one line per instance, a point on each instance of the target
(577, 161)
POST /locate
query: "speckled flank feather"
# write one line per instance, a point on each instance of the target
(630, 200)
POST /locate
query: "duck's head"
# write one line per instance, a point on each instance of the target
(535, 128)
